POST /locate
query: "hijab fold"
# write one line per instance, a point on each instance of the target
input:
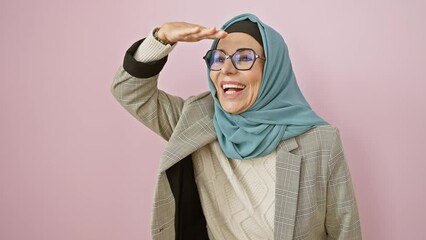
(280, 111)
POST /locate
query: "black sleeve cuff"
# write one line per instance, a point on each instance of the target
(140, 69)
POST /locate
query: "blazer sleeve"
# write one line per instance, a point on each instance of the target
(342, 218)
(135, 88)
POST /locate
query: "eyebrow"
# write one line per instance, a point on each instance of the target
(222, 50)
(237, 50)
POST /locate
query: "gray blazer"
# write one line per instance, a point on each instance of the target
(314, 194)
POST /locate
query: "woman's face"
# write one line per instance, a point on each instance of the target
(237, 90)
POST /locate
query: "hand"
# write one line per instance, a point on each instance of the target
(173, 32)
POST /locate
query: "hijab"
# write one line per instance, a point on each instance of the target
(280, 111)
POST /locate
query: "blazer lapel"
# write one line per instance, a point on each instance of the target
(286, 189)
(182, 143)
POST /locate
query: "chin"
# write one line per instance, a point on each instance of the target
(232, 110)
(233, 107)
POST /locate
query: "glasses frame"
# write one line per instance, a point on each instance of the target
(232, 59)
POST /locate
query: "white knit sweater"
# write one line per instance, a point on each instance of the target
(237, 196)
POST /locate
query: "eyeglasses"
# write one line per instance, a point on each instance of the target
(243, 59)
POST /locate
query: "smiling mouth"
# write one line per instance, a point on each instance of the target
(232, 88)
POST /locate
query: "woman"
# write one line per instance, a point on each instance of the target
(247, 160)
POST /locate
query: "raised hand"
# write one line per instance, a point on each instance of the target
(173, 32)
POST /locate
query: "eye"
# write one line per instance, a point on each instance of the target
(218, 57)
(245, 56)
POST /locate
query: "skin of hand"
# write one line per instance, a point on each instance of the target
(173, 32)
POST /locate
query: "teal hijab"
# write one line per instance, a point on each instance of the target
(280, 111)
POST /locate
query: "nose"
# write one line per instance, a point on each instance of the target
(228, 67)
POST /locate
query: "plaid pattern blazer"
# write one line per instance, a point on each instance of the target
(314, 194)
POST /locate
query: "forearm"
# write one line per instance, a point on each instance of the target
(135, 87)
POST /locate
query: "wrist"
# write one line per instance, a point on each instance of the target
(161, 38)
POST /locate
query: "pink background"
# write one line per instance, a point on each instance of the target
(75, 165)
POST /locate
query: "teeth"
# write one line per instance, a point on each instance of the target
(233, 86)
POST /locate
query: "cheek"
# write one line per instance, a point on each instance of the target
(256, 82)
(256, 91)
(214, 78)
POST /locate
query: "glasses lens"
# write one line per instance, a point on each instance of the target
(244, 59)
(215, 59)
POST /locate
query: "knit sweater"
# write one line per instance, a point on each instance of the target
(237, 196)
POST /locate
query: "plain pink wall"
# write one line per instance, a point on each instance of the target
(75, 165)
